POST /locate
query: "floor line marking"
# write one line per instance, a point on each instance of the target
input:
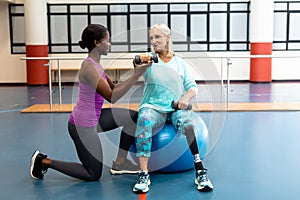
(142, 196)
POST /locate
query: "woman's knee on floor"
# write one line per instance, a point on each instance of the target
(94, 175)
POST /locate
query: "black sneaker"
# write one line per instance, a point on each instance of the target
(202, 181)
(142, 183)
(127, 167)
(37, 170)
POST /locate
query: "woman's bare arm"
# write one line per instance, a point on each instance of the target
(89, 74)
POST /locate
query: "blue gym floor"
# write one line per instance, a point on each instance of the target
(256, 155)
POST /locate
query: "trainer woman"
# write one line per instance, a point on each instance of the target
(88, 117)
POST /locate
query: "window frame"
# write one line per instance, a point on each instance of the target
(148, 13)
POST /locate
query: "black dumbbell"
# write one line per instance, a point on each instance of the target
(138, 60)
(174, 105)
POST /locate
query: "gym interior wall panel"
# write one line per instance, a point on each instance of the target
(179, 28)
(18, 35)
(138, 8)
(218, 7)
(99, 19)
(78, 23)
(17, 9)
(60, 49)
(279, 46)
(238, 27)
(77, 49)
(17, 29)
(218, 24)
(285, 68)
(198, 7)
(98, 8)
(119, 48)
(119, 28)
(78, 8)
(180, 47)
(198, 47)
(237, 47)
(139, 48)
(238, 7)
(178, 7)
(58, 9)
(59, 29)
(217, 47)
(279, 33)
(20, 50)
(280, 6)
(294, 45)
(159, 19)
(294, 33)
(238, 69)
(18, 32)
(294, 5)
(158, 7)
(138, 31)
(198, 27)
(118, 8)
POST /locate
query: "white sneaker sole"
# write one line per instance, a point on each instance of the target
(34, 155)
(117, 172)
(205, 188)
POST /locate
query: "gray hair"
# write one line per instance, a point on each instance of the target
(166, 31)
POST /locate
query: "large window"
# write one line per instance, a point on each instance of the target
(286, 14)
(17, 29)
(222, 26)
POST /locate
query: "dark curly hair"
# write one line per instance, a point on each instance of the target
(91, 33)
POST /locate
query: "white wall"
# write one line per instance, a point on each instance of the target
(13, 70)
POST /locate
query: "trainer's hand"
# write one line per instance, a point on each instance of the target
(145, 57)
(140, 69)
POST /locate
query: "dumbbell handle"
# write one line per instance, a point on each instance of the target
(174, 105)
(138, 61)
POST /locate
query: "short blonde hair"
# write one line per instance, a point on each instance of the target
(166, 31)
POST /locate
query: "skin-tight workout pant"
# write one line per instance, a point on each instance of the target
(150, 121)
(88, 144)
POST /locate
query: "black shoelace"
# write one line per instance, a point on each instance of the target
(202, 176)
(142, 178)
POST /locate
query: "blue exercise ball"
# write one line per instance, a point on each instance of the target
(170, 151)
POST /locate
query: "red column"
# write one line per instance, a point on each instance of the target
(37, 73)
(261, 68)
(35, 14)
(261, 39)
